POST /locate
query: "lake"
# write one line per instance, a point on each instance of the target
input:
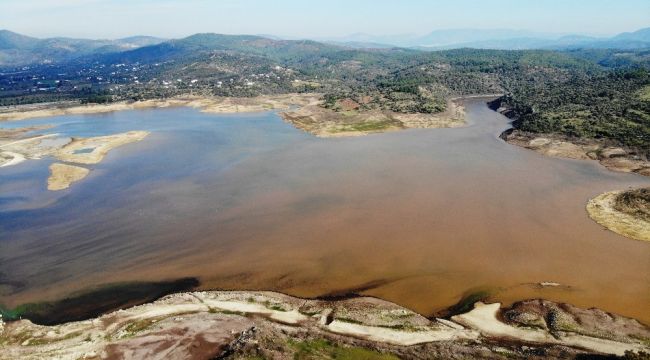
(418, 217)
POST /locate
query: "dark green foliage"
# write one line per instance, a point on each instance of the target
(604, 105)
(101, 98)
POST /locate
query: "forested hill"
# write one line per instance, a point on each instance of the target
(599, 93)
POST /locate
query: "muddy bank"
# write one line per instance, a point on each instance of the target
(229, 325)
(624, 212)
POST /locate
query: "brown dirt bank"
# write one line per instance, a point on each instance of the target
(623, 212)
(240, 324)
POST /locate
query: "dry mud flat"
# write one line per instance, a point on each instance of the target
(603, 209)
(203, 325)
(612, 157)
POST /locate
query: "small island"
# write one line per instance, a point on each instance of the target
(624, 212)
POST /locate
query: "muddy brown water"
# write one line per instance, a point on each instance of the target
(418, 217)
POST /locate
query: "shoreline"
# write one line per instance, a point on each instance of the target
(206, 104)
(303, 111)
(361, 322)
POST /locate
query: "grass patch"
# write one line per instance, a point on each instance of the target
(36, 342)
(365, 126)
(348, 320)
(138, 326)
(634, 202)
(275, 307)
(323, 349)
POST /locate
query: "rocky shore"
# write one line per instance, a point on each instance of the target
(239, 324)
(615, 158)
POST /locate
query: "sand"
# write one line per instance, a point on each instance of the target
(63, 175)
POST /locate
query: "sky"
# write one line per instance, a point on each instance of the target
(315, 18)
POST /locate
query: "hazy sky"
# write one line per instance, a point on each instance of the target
(315, 18)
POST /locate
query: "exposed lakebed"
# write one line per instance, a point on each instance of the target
(418, 217)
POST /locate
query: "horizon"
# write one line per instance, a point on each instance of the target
(333, 38)
(114, 19)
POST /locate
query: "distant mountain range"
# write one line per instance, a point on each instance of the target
(19, 50)
(505, 39)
